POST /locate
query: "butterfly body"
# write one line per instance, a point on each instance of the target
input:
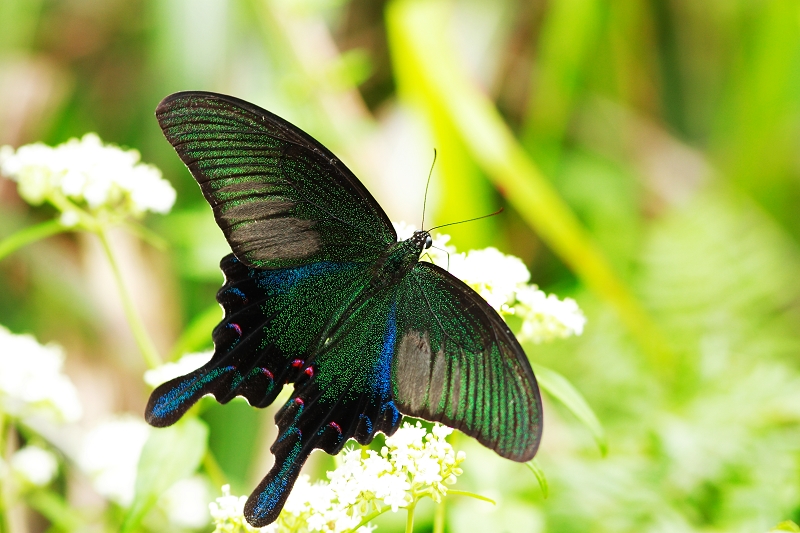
(320, 293)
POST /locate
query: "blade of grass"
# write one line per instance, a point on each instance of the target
(536, 469)
(568, 38)
(561, 389)
(426, 63)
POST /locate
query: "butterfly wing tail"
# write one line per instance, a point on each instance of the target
(172, 399)
(267, 500)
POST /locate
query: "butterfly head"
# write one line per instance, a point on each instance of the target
(422, 240)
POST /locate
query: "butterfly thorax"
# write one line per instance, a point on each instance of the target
(399, 259)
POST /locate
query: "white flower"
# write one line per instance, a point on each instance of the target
(88, 172)
(185, 503)
(411, 465)
(503, 281)
(32, 382)
(394, 491)
(404, 230)
(546, 317)
(35, 465)
(426, 459)
(110, 455)
(493, 275)
(227, 512)
(188, 363)
(69, 219)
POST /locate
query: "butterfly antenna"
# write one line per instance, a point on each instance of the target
(448, 256)
(468, 220)
(427, 184)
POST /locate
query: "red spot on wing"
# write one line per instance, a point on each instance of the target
(297, 363)
(267, 373)
(309, 371)
(336, 426)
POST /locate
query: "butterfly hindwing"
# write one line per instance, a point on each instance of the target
(273, 321)
(280, 197)
(456, 362)
(346, 394)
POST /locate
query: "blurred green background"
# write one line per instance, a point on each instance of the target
(646, 154)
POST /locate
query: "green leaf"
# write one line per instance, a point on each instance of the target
(30, 235)
(562, 390)
(169, 455)
(52, 506)
(534, 466)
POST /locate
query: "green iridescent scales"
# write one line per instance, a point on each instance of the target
(319, 293)
(480, 387)
(265, 189)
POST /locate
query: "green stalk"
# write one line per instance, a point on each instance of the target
(456, 492)
(214, 471)
(439, 517)
(30, 235)
(370, 517)
(429, 76)
(143, 340)
(410, 519)
(4, 507)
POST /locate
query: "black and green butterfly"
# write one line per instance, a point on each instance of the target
(319, 293)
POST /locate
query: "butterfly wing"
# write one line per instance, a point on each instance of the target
(305, 234)
(346, 393)
(279, 196)
(456, 362)
(273, 320)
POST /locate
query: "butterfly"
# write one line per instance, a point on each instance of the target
(319, 292)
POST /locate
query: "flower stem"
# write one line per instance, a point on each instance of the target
(370, 517)
(214, 471)
(439, 517)
(30, 235)
(4, 507)
(455, 492)
(143, 340)
(410, 519)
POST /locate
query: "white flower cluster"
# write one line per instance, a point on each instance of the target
(414, 463)
(227, 512)
(503, 281)
(31, 380)
(89, 173)
(545, 317)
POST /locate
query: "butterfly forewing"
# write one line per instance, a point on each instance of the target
(280, 197)
(456, 362)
